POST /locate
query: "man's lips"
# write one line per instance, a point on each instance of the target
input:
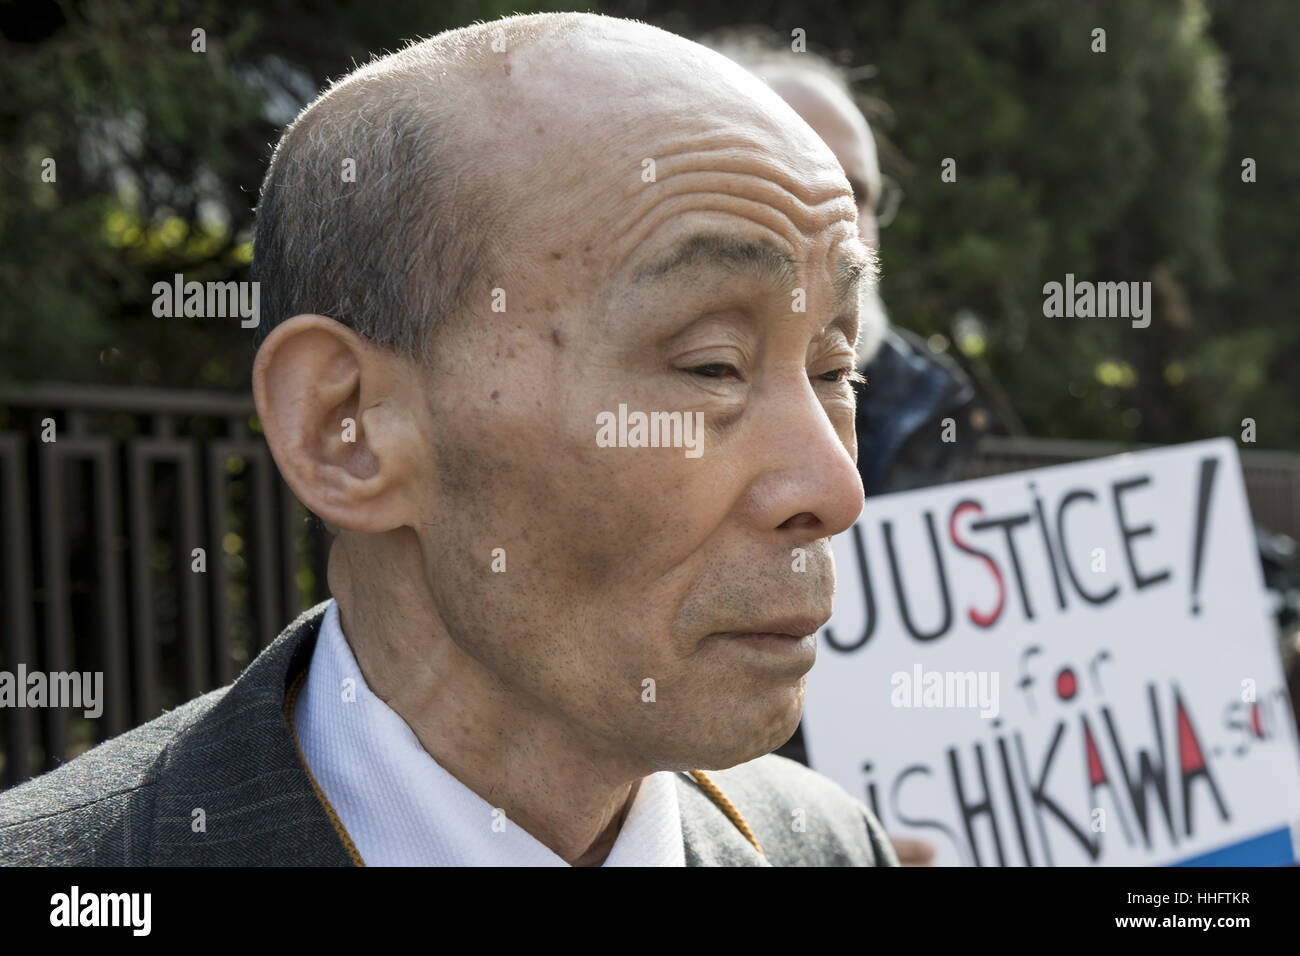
(788, 643)
(791, 627)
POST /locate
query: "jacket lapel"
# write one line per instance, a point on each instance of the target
(239, 765)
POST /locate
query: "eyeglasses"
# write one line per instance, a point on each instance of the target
(886, 207)
(891, 195)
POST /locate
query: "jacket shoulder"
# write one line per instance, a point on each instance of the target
(802, 818)
(83, 812)
(129, 801)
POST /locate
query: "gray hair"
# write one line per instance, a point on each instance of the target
(764, 52)
(396, 251)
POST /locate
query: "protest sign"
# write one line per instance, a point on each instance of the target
(1067, 666)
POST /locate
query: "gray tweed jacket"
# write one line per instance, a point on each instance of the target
(130, 801)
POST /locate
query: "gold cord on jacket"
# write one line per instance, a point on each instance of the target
(699, 776)
(717, 796)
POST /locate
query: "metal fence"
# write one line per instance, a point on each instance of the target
(145, 535)
(148, 536)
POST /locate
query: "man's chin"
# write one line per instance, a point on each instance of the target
(745, 743)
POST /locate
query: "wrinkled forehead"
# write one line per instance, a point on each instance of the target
(591, 134)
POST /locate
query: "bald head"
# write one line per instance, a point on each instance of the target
(372, 211)
(391, 201)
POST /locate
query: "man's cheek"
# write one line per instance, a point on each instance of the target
(605, 536)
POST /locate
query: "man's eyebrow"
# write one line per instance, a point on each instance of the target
(718, 250)
(856, 266)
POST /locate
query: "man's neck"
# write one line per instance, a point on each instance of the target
(599, 851)
(558, 786)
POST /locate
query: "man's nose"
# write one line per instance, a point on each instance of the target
(807, 480)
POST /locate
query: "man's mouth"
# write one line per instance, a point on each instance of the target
(789, 637)
(791, 627)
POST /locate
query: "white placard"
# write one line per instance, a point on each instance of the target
(1067, 666)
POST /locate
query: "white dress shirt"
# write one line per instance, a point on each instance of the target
(402, 809)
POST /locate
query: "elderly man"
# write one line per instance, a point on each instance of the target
(476, 253)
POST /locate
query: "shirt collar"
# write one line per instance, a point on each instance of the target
(401, 808)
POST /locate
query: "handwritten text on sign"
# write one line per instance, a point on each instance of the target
(1064, 666)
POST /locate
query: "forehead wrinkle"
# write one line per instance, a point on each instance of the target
(661, 211)
(730, 149)
(802, 216)
(796, 181)
(719, 250)
(663, 216)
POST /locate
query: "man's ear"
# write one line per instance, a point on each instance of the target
(341, 422)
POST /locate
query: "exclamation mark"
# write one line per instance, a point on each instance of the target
(1209, 466)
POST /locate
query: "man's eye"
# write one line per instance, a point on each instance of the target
(838, 375)
(715, 370)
